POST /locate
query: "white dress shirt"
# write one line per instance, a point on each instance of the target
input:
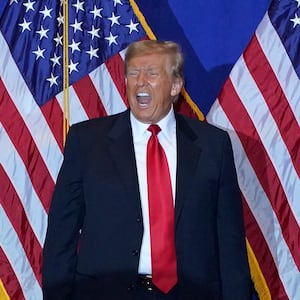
(167, 138)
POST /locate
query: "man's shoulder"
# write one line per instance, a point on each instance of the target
(199, 126)
(100, 122)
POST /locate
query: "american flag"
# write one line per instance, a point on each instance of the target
(259, 106)
(31, 112)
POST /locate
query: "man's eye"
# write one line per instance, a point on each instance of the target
(132, 73)
(153, 73)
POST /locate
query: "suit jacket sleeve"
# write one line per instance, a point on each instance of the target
(232, 247)
(64, 224)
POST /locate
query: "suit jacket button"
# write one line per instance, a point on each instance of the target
(134, 252)
(131, 287)
(139, 220)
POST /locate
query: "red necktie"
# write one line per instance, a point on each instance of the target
(161, 214)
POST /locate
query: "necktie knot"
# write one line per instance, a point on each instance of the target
(154, 129)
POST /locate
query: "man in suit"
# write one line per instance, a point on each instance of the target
(99, 240)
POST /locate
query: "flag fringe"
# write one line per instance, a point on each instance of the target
(142, 19)
(3, 293)
(257, 276)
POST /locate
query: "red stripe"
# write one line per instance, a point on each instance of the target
(23, 142)
(263, 255)
(54, 117)
(14, 210)
(115, 67)
(89, 98)
(263, 167)
(279, 107)
(9, 279)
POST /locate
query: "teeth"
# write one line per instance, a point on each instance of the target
(142, 94)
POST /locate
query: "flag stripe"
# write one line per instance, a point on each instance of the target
(268, 133)
(8, 277)
(260, 161)
(278, 105)
(109, 94)
(89, 97)
(263, 254)
(16, 171)
(77, 111)
(37, 126)
(281, 64)
(252, 189)
(13, 208)
(14, 250)
(53, 112)
(115, 67)
(30, 155)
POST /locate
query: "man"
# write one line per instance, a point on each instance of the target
(100, 241)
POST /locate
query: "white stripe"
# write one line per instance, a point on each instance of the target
(280, 63)
(268, 132)
(16, 171)
(77, 112)
(29, 110)
(16, 256)
(122, 53)
(260, 206)
(106, 89)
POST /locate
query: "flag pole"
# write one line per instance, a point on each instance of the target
(66, 110)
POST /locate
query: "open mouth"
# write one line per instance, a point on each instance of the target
(143, 99)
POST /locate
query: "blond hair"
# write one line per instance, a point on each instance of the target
(147, 47)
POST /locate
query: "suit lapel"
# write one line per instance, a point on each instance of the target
(188, 155)
(122, 153)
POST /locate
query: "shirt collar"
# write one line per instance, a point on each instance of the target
(167, 125)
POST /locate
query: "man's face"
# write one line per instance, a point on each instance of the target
(151, 87)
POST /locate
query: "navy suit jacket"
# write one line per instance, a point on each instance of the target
(95, 224)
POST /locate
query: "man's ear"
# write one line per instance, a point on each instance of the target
(176, 87)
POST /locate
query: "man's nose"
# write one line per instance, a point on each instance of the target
(141, 79)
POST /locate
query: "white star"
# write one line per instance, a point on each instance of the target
(76, 26)
(39, 53)
(112, 39)
(29, 5)
(60, 19)
(46, 12)
(25, 25)
(94, 32)
(114, 19)
(55, 60)
(296, 20)
(13, 1)
(73, 67)
(58, 39)
(74, 46)
(96, 12)
(92, 52)
(117, 2)
(43, 32)
(79, 6)
(132, 26)
(52, 80)
(298, 1)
